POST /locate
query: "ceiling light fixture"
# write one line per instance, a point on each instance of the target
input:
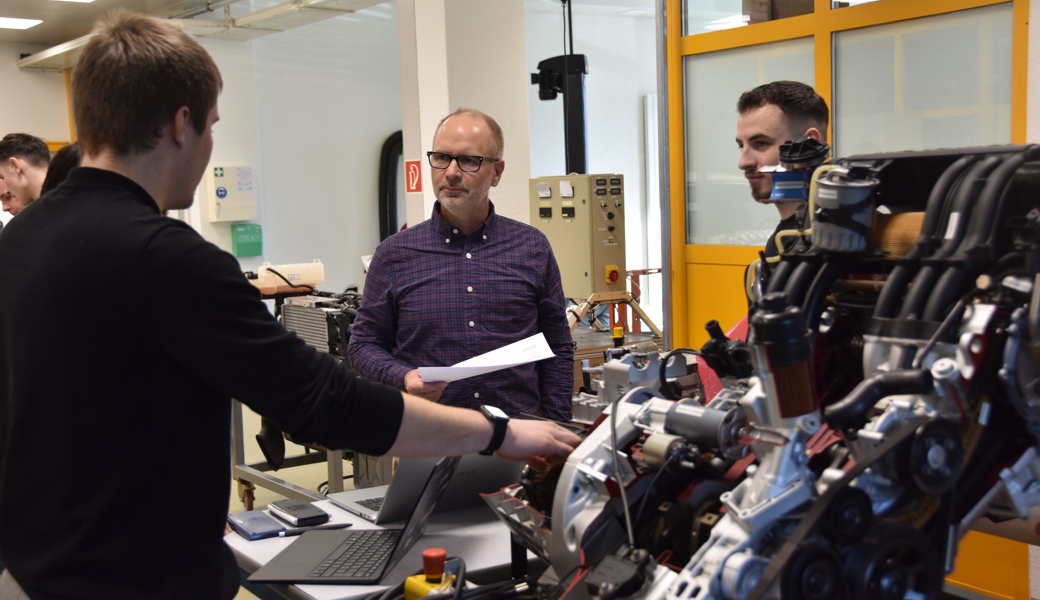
(10, 23)
(83, 1)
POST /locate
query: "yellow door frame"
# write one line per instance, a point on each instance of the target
(822, 24)
(993, 565)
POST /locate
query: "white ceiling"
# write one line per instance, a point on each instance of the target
(65, 21)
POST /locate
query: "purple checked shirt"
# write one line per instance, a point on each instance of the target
(435, 297)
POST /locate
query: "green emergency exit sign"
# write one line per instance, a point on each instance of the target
(247, 239)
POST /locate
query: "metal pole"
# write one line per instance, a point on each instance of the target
(664, 170)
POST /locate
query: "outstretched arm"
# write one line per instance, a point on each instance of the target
(430, 429)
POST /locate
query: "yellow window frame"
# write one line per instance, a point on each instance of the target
(686, 312)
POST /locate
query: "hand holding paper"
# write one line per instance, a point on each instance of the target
(528, 350)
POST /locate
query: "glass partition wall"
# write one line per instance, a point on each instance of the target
(897, 75)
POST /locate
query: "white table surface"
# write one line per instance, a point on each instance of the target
(474, 534)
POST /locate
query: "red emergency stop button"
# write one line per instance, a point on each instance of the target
(613, 274)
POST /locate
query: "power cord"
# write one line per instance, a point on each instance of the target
(287, 282)
(617, 473)
(672, 391)
(650, 488)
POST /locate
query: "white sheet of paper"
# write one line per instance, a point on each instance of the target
(526, 350)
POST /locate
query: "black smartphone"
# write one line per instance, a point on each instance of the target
(255, 524)
(298, 512)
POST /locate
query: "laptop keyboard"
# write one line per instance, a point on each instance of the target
(372, 503)
(362, 554)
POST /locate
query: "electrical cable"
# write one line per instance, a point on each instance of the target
(289, 283)
(570, 23)
(653, 482)
(323, 487)
(563, 13)
(662, 376)
(460, 577)
(953, 315)
(617, 473)
(551, 592)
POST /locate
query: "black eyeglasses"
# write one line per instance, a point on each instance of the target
(469, 164)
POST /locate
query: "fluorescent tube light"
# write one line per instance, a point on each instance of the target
(10, 23)
(84, 1)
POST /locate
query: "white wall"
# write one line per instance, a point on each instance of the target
(327, 97)
(310, 108)
(621, 54)
(236, 140)
(622, 70)
(31, 101)
(471, 53)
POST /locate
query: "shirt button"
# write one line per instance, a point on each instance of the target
(447, 241)
(476, 394)
(454, 230)
(471, 323)
(469, 288)
(484, 236)
(468, 255)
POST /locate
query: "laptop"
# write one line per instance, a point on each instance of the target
(475, 475)
(356, 556)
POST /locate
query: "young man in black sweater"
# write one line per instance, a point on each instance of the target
(123, 334)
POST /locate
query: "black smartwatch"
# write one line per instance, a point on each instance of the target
(499, 420)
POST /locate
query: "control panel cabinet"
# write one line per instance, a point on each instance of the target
(584, 218)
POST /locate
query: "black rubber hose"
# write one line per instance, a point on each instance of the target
(986, 213)
(851, 411)
(778, 280)
(389, 160)
(812, 308)
(952, 285)
(799, 282)
(933, 216)
(956, 223)
(990, 209)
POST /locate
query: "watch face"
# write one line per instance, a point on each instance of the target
(496, 412)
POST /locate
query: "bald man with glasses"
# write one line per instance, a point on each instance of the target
(465, 282)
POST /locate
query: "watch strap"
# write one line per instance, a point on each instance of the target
(498, 435)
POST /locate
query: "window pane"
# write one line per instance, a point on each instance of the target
(709, 15)
(938, 82)
(719, 208)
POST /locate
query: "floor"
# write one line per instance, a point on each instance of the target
(306, 476)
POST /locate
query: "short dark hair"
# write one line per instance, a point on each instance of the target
(132, 77)
(27, 147)
(64, 161)
(799, 102)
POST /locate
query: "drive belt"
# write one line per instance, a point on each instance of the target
(808, 521)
